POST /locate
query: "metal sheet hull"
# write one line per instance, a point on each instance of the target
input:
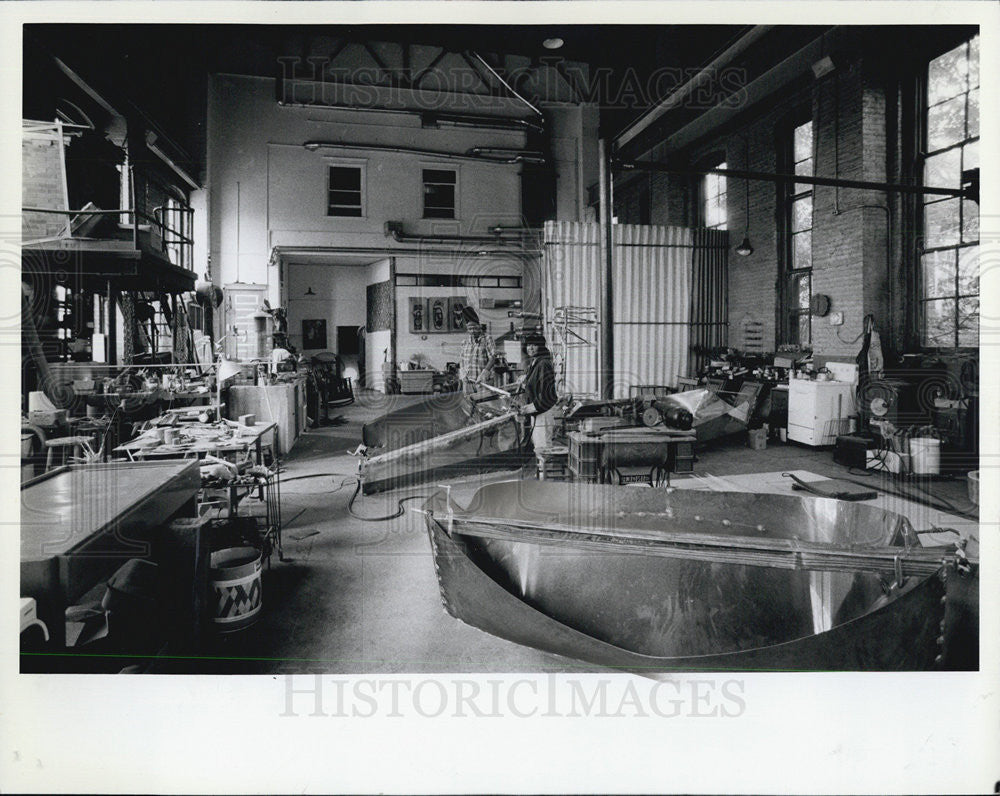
(413, 432)
(421, 421)
(656, 615)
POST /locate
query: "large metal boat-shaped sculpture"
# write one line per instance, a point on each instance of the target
(656, 581)
(443, 436)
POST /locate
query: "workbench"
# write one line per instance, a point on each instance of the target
(199, 439)
(80, 523)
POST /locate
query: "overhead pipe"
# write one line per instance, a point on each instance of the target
(522, 157)
(396, 251)
(429, 118)
(607, 296)
(394, 230)
(970, 192)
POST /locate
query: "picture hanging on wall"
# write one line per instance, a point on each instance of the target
(456, 314)
(314, 333)
(438, 314)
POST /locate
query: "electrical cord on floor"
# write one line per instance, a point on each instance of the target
(314, 475)
(401, 508)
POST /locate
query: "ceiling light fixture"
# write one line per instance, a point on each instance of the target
(745, 249)
(553, 43)
(309, 291)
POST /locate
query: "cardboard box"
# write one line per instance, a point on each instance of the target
(47, 417)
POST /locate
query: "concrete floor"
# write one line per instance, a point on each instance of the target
(357, 596)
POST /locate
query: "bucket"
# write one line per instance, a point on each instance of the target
(757, 438)
(925, 456)
(236, 589)
(973, 484)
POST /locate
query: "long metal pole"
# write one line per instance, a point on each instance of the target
(607, 295)
(887, 187)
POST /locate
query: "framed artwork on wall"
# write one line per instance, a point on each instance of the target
(456, 313)
(418, 316)
(437, 311)
(314, 333)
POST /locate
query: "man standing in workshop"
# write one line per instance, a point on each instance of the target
(479, 354)
(539, 389)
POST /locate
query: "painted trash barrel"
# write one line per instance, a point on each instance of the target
(236, 587)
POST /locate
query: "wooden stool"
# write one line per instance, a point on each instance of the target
(79, 447)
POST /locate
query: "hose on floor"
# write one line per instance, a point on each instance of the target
(400, 510)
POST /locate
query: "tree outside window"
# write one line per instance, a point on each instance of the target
(949, 254)
(713, 194)
(798, 215)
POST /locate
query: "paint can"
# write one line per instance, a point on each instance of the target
(170, 436)
(235, 588)
(925, 455)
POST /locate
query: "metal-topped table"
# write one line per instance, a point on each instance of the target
(79, 523)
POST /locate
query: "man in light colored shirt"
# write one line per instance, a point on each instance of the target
(479, 354)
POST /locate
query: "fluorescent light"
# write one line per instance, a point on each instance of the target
(553, 43)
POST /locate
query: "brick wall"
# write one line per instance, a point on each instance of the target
(42, 186)
(851, 263)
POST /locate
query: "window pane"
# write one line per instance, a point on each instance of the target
(970, 156)
(345, 179)
(805, 329)
(510, 281)
(939, 323)
(946, 75)
(802, 214)
(941, 224)
(800, 290)
(943, 171)
(973, 114)
(968, 321)
(974, 62)
(938, 274)
(968, 270)
(802, 250)
(804, 167)
(345, 198)
(946, 124)
(970, 221)
(439, 175)
(803, 145)
(439, 199)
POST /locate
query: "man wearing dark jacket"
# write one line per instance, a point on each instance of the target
(539, 389)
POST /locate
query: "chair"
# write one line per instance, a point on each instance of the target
(68, 449)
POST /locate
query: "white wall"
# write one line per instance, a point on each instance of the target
(437, 349)
(375, 344)
(267, 190)
(340, 299)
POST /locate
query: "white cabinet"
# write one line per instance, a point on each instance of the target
(818, 411)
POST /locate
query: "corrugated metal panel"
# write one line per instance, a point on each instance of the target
(652, 301)
(652, 297)
(572, 279)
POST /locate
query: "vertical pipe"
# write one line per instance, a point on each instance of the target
(112, 352)
(607, 297)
